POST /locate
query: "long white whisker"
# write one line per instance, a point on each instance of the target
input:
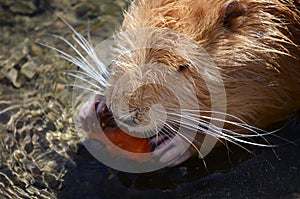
(249, 128)
(85, 80)
(183, 136)
(84, 88)
(85, 66)
(219, 132)
(246, 126)
(212, 133)
(87, 46)
(221, 113)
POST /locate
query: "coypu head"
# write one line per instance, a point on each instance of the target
(253, 43)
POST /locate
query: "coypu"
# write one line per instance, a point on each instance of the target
(254, 45)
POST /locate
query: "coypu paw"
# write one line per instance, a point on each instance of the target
(94, 115)
(170, 150)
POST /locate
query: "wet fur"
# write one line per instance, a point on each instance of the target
(255, 45)
(259, 58)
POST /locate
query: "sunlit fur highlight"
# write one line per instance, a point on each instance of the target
(259, 61)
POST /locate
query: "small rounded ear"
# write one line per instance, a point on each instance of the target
(235, 14)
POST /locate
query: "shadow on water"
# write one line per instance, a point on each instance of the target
(235, 174)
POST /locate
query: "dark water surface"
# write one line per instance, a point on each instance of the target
(263, 176)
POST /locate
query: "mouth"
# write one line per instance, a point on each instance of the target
(98, 122)
(97, 109)
(163, 145)
(107, 123)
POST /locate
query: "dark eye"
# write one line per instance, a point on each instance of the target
(235, 14)
(183, 67)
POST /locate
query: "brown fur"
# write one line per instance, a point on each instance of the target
(255, 44)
